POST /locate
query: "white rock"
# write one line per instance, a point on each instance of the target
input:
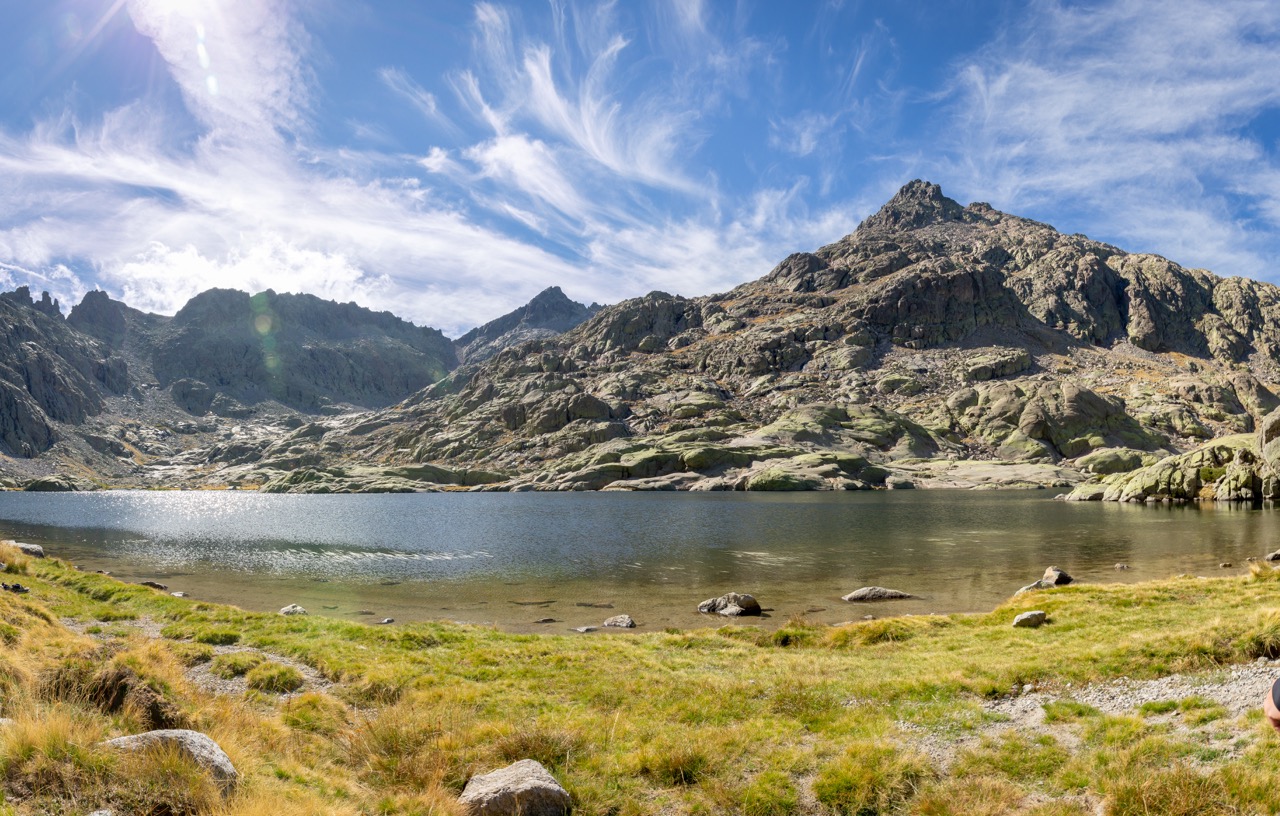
(33, 550)
(293, 609)
(1030, 620)
(198, 747)
(523, 788)
(620, 621)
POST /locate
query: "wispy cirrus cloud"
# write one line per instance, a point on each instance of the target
(1133, 117)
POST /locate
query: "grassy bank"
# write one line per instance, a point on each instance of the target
(324, 716)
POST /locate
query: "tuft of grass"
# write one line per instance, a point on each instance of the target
(315, 712)
(1014, 756)
(884, 630)
(1068, 711)
(235, 664)
(1262, 636)
(770, 793)
(15, 561)
(810, 704)
(871, 778)
(275, 678)
(970, 796)
(189, 653)
(51, 751)
(163, 779)
(1178, 791)
(671, 763)
(551, 746)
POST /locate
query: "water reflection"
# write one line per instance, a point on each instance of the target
(424, 554)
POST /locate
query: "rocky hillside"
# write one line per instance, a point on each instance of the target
(936, 345)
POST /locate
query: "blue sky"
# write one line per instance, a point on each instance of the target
(448, 160)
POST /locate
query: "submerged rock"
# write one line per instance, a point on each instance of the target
(731, 605)
(875, 593)
(524, 788)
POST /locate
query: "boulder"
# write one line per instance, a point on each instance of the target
(1030, 620)
(1273, 556)
(875, 593)
(731, 605)
(1041, 584)
(621, 621)
(153, 585)
(197, 747)
(293, 609)
(1056, 577)
(33, 550)
(1122, 566)
(524, 787)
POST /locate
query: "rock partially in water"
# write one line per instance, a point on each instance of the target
(293, 609)
(154, 585)
(1056, 577)
(1030, 620)
(197, 747)
(1121, 566)
(33, 550)
(524, 788)
(1041, 584)
(731, 605)
(876, 593)
(620, 621)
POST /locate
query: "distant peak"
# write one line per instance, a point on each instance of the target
(918, 204)
(552, 294)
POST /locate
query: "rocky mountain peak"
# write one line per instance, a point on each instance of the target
(549, 313)
(99, 316)
(46, 304)
(918, 204)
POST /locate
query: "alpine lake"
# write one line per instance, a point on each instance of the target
(513, 559)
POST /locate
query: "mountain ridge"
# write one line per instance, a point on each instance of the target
(936, 345)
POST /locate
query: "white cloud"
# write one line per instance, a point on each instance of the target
(1133, 114)
(420, 98)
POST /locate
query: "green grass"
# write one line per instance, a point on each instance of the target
(804, 720)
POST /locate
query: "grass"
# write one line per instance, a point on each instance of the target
(805, 720)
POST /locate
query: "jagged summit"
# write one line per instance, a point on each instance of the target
(919, 203)
(549, 313)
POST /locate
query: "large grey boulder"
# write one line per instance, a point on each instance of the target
(731, 605)
(197, 747)
(293, 609)
(1030, 620)
(875, 593)
(620, 621)
(524, 788)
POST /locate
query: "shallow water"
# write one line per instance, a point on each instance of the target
(511, 559)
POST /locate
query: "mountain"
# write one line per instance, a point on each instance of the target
(936, 345)
(548, 314)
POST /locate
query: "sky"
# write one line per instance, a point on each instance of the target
(448, 160)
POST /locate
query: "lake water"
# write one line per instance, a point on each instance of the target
(511, 559)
